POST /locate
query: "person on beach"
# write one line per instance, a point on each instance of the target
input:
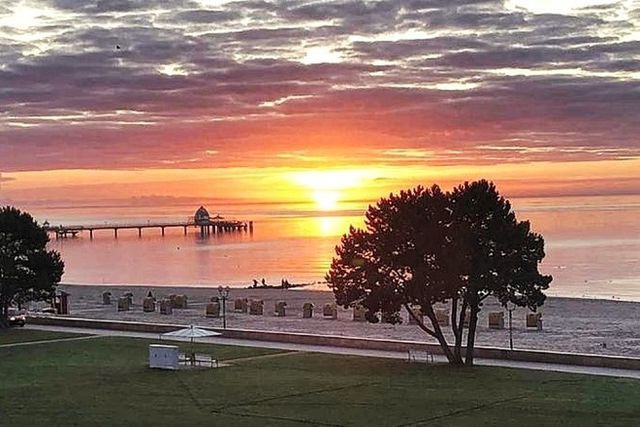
(255, 283)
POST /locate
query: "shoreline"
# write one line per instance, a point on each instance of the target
(312, 287)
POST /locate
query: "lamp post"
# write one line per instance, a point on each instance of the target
(510, 306)
(224, 294)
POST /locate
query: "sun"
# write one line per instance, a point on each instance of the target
(326, 200)
(327, 188)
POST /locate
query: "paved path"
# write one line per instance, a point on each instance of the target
(589, 370)
(264, 356)
(20, 344)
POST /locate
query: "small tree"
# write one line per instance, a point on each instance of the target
(424, 247)
(28, 271)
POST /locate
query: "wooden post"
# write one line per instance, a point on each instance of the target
(139, 231)
(115, 232)
(162, 228)
(91, 233)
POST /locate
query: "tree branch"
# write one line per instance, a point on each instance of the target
(419, 321)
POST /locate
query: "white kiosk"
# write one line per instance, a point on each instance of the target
(163, 356)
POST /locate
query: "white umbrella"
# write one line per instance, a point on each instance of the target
(191, 332)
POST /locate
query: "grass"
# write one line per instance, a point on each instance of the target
(18, 335)
(105, 381)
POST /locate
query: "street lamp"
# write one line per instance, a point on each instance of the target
(224, 294)
(510, 306)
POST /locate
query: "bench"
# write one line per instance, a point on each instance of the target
(421, 356)
(195, 359)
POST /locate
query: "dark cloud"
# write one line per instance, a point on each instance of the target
(403, 49)
(104, 6)
(347, 10)
(515, 57)
(572, 41)
(204, 16)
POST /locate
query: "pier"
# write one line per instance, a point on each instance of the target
(200, 221)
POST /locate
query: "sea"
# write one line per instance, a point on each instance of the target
(592, 244)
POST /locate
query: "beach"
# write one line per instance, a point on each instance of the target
(575, 325)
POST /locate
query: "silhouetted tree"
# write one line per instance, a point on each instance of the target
(501, 254)
(28, 271)
(424, 247)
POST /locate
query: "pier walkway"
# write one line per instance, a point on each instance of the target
(211, 226)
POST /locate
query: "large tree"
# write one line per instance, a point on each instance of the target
(501, 254)
(424, 246)
(28, 270)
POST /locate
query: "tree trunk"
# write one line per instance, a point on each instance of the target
(453, 360)
(436, 333)
(459, 330)
(454, 316)
(471, 334)
(4, 314)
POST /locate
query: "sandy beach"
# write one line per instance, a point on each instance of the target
(570, 324)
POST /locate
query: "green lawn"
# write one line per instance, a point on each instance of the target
(17, 335)
(105, 381)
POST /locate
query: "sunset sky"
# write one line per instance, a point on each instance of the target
(320, 101)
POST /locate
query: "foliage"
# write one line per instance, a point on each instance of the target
(28, 271)
(424, 246)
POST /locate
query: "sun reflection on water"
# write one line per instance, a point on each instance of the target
(332, 225)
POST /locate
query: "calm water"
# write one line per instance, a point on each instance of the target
(593, 246)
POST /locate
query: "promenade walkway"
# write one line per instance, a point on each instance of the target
(588, 370)
(25, 343)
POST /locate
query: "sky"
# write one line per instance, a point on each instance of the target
(319, 101)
